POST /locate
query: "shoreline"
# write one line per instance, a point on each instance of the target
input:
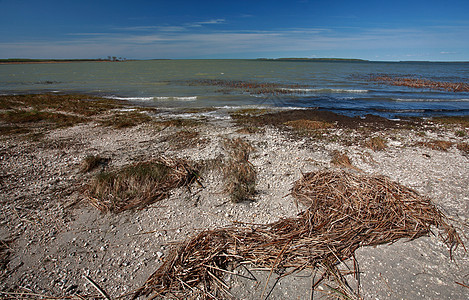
(56, 234)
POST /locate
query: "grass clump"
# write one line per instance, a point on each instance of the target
(138, 185)
(376, 143)
(239, 174)
(92, 162)
(341, 159)
(437, 145)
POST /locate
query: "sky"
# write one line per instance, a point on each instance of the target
(369, 29)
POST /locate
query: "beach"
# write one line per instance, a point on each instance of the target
(56, 243)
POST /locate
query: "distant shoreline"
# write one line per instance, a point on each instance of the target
(287, 59)
(51, 61)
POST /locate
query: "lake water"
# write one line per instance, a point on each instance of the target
(342, 87)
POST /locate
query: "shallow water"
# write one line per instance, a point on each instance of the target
(337, 86)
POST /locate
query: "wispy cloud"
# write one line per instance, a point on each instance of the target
(189, 40)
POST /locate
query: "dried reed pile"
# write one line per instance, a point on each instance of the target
(345, 211)
(139, 184)
(238, 172)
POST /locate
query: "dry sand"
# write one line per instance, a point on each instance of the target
(58, 238)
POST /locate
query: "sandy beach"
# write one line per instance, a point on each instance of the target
(55, 243)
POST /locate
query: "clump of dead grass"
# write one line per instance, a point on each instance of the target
(138, 185)
(376, 143)
(344, 211)
(463, 147)
(303, 124)
(239, 173)
(91, 162)
(341, 160)
(437, 145)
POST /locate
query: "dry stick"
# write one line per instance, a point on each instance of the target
(97, 287)
(462, 284)
(274, 265)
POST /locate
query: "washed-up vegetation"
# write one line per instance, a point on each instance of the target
(26, 113)
(437, 145)
(344, 211)
(126, 119)
(342, 160)
(91, 162)
(420, 83)
(252, 87)
(239, 173)
(77, 104)
(308, 124)
(376, 143)
(139, 185)
(184, 139)
(464, 148)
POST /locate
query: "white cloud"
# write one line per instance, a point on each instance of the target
(184, 42)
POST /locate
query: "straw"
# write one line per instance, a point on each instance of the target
(345, 211)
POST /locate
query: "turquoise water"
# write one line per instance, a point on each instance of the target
(337, 86)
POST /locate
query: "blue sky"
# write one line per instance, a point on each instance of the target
(374, 30)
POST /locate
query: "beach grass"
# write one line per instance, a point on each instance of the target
(239, 173)
(138, 185)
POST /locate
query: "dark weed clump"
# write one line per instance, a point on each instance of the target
(139, 185)
(239, 173)
(464, 148)
(91, 162)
